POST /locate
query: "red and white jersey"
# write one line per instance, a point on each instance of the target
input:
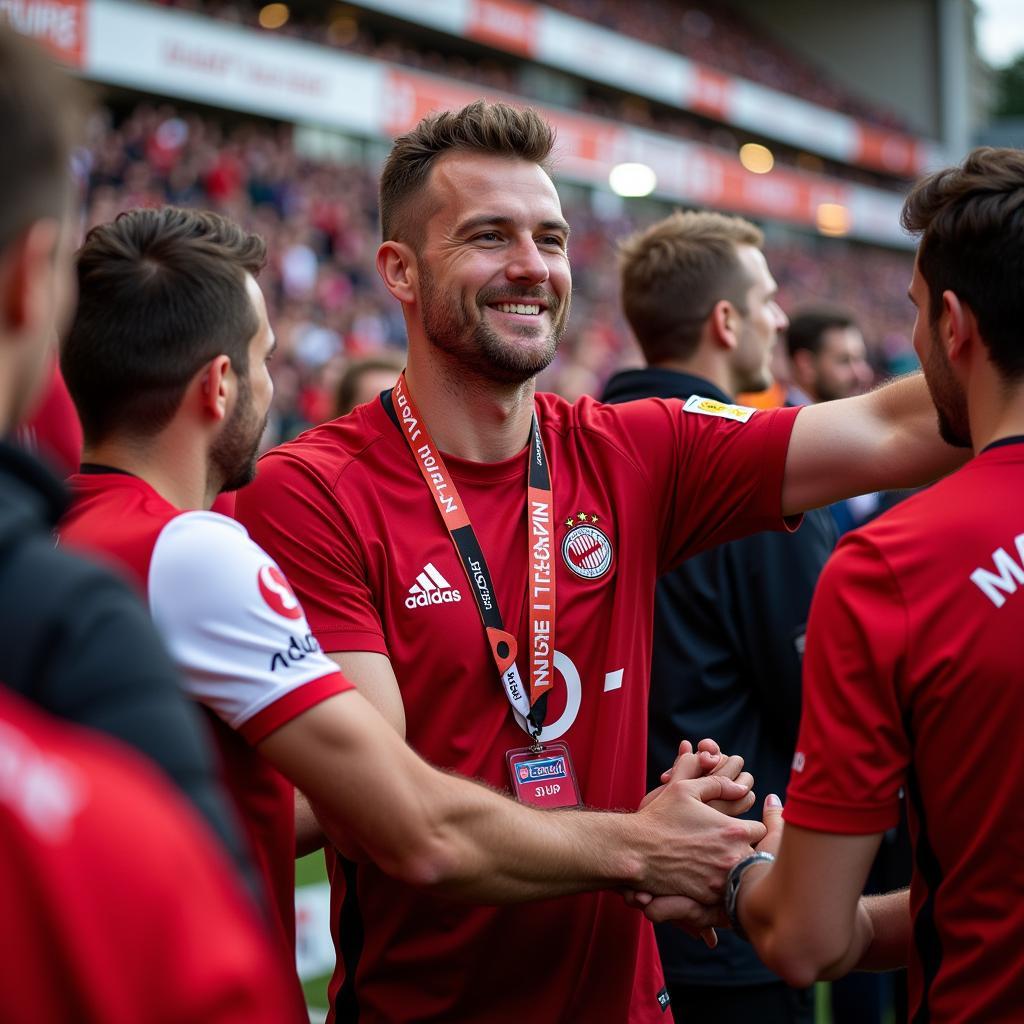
(237, 634)
(637, 487)
(117, 905)
(913, 678)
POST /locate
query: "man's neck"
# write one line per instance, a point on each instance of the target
(469, 416)
(704, 368)
(996, 413)
(179, 476)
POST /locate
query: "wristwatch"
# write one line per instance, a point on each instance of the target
(732, 887)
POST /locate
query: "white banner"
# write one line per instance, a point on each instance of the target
(183, 55)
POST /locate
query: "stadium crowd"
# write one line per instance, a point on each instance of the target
(321, 224)
(360, 33)
(712, 34)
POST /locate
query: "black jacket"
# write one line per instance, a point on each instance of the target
(728, 639)
(76, 642)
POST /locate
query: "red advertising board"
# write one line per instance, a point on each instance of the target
(59, 25)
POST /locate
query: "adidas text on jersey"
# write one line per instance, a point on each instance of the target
(431, 588)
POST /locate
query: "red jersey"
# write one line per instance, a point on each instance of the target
(53, 430)
(117, 905)
(235, 631)
(637, 487)
(912, 678)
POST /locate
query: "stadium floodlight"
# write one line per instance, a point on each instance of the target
(273, 15)
(632, 180)
(756, 158)
(833, 219)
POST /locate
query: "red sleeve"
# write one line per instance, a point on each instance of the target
(295, 516)
(853, 752)
(711, 478)
(123, 906)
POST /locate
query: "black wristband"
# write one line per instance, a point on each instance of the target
(732, 887)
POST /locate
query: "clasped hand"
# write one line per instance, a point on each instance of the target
(700, 837)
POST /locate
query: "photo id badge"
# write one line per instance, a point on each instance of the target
(545, 777)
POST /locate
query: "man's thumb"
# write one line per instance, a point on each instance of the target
(772, 814)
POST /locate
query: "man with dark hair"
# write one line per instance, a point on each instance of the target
(912, 675)
(240, 638)
(435, 533)
(828, 360)
(827, 354)
(729, 622)
(78, 645)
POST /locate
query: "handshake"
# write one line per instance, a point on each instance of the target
(697, 836)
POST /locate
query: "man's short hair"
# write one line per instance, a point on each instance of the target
(971, 222)
(807, 327)
(161, 293)
(674, 272)
(39, 108)
(494, 128)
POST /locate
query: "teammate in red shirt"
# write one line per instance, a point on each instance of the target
(52, 429)
(540, 529)
(166, 359)
(117, 906)
(912, 667)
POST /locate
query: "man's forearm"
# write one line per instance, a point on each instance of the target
(889, 948)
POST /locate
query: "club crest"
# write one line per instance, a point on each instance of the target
(586, 549)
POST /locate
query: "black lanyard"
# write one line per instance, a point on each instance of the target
(530, 707)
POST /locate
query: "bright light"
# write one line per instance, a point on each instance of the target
(833, 219)
(632, 180)
(756, 158)
(274, 15)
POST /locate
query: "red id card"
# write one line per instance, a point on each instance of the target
(545, 777)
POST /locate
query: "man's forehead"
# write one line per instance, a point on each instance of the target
(756, 265)
(255, 293)
(466, 183)
(843, 339)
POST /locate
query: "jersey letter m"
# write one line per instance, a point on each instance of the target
(1007, 577)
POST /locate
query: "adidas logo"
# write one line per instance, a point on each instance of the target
(431, 588)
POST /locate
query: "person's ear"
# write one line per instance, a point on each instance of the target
(958, 326)
(28, 269)
(397, 266)
(215, 387)
(723, 324)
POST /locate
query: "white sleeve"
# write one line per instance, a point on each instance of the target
(234, 627)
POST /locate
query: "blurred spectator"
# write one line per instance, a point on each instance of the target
(827, 354)
(364, 380)
(828, 360)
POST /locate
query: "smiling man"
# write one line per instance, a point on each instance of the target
(537, 529)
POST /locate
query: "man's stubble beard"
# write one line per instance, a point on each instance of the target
(947, 396)
(234, 453)
(480, 349)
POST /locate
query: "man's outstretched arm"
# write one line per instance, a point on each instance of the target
(376, 797)
(884, 440)
(804, 914)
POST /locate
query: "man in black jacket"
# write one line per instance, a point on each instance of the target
(73, 640)
(729, 623)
